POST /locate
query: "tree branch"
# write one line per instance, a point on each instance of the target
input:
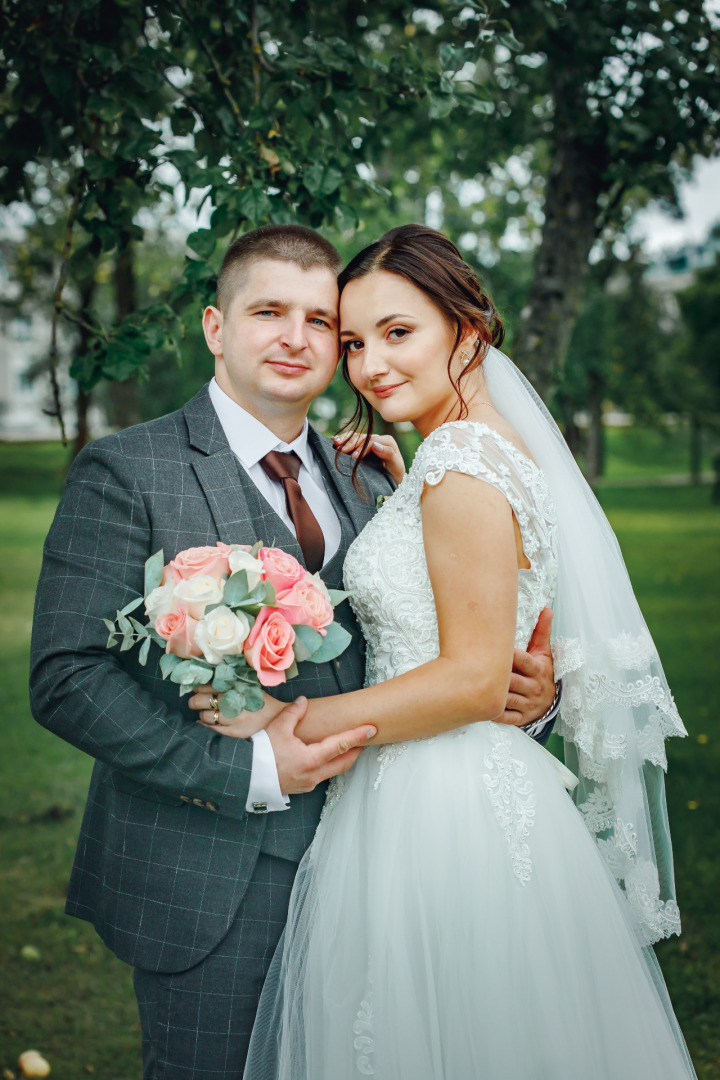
(58, 305)
(222, 79)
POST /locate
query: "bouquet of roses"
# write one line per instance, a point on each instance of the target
(238, 617)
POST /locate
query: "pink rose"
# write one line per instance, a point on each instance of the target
(178, 629)
(281, 570)
(269, 648)
(211, 561)
(304, 603)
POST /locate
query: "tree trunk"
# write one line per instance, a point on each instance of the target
(561, 266)
(595, 453)
(695, 450)
(124, 403)
(82, 400)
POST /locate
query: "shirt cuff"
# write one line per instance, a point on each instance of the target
(535, 728)
(264, 794)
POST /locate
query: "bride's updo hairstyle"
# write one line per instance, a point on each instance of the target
(428, 260)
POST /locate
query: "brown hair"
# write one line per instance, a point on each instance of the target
(286, 243)
(432, 263)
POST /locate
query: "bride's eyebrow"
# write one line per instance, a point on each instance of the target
(379, 324)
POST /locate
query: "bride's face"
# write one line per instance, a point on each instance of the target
(398, 344)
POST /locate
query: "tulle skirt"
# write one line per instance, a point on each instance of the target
(453, 919)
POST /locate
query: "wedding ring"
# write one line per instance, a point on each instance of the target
(216, 716)
(214, 704)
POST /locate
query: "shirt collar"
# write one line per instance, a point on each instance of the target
(249, 439)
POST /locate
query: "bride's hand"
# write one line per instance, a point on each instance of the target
(384, 446)
(239, 727)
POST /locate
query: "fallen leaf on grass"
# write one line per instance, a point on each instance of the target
(32, 1063)
(29, 952)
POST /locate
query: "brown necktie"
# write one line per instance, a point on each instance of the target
(284, 469)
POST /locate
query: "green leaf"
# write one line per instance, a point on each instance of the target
(256, 547)
(236, 588)
(479, 105)
(124, 623)
(154, 567)
(203, 242)
(441, 105)
(127, 642)
(144, 650)
(253, 204)
(232, 704)
(109, 625)
(254, 698)
(132, 605)
(337, 596)
(191, 673)
(292, 672)
(168, 663)
(307, 642)
(321, 179)
(335, 642)
(111, 642)
(141, 630)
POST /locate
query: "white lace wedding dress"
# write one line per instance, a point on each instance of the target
(453, 918)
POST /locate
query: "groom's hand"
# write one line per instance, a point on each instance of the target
(532, 683)
(302, 767)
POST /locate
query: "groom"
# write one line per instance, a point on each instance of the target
(190, 839)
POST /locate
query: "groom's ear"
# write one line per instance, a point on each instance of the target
(212, 323)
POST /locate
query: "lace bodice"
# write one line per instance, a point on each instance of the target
(385, 568)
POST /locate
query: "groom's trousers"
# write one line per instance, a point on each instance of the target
(196, 1024)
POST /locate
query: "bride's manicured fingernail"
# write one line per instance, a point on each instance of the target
(372, 732)
(378, 446)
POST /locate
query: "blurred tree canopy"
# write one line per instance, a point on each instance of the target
(530, 132)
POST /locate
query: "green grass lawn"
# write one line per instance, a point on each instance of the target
(75, 1002)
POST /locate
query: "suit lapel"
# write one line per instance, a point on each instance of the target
(240, 512)
(340, 475)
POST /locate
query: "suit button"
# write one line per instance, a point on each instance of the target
(198, 802)
(211, 805)
(185, 798)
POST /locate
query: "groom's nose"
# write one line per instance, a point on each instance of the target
(293, 333)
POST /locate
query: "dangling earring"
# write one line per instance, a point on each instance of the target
(464, 358)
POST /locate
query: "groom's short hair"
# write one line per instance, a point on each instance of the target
(286, 243)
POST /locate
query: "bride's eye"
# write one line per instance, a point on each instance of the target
(398, 333)
(353, 346)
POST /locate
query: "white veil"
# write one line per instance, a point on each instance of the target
(616, 708)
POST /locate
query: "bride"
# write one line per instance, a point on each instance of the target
(459, 915)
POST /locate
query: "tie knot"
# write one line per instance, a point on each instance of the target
(280, 466)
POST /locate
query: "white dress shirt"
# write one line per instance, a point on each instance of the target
(250, 440)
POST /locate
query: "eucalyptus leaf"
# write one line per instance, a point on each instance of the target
(270, 597)
(254, 698)
(307, 642)
(154, 567)
(257, 546)
(236, 588)
(110, 625)
(337, 596)
(335, 642)
(292, 672)
(132, 605)
(124, 623)
(140, 628)
(111, 642)
(144, 650)
(127, 642)
(168, 663)
(152, 632)
(232, 704)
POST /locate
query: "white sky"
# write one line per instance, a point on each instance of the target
(700, 200)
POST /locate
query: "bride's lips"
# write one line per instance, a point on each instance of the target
(387, 390)
(287, 367)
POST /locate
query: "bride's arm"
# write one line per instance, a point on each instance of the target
(472, 562)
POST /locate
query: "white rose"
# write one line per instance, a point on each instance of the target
(221, 633)
(320, 585)
(197, 592)
(159, 602)
(243, 560)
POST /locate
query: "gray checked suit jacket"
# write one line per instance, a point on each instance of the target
(166, 848)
